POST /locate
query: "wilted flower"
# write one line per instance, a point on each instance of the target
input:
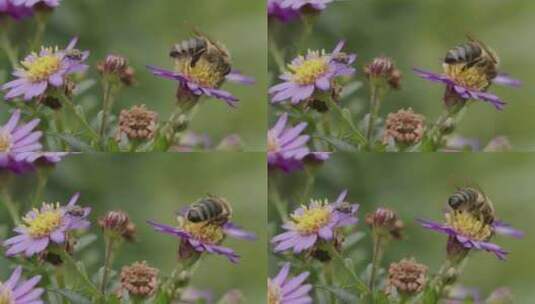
(204, 237)
(466, 232)
(285, 290)
(201, 81)
(405, 127)
(49, 224)
(385, 220)
(286, 147)
(318, 221)
(138, 123)
(314, 73)
(49, 68)
(407, 277)
(118, 222)
(17, 12)
(14, 291)
(383, 68)
(139, 279)
(116, 66)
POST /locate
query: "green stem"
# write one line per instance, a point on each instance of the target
(60, 126)
(310, 180)
(107, 102)
(41, 19)
(80, 118)
(375, 105)
(6, 45)
(358, 136)
(359, 284)
(378, 247)
(277, 55)
(60, 280)
(275, 198)
(328, 273)
(108, 253)
(88, 284)
(42, 179)
(10, 205)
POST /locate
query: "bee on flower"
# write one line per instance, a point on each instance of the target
(318, 221)
(45, 71)
(469, 71)
(203, 227)
(46, 226)
(313, 74)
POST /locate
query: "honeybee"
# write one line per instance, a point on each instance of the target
(473, 201)
(76, 211)
(210, 210)
(200, 48)
(474, 54)
(74, 54)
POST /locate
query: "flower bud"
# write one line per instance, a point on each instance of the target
(116, 66)
(387, 221)
(139, 279)
(405, 127)
(119, 223)
(383, 68)
(138, 123)
(407, 277)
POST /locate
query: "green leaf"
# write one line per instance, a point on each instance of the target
(84, 242)
(342, 295)
(75, 143)
(339, 144)
(430, 296)
(73, 297)
(83, 86)
(350, 89)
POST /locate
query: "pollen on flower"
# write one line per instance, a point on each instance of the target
(203, 72)
(308, 71)
(207, 233)
(469, 226)
(274, 293)
(42, 67)
(44, 221)
(313, 218)
(6, 296)
(472, 78)
(5, 142)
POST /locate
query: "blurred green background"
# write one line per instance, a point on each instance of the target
(144, 32)
(153, 186)
(418, 33)
(418, 186)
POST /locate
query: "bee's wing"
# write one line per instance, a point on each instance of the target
(485, 47)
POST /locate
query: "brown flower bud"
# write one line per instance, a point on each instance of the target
(118, 222)
(404, 126)
(407, 277)
(384, 219)
(117, 66)
(128, 76)
(384, 68)
(139, 279)
(138, 123)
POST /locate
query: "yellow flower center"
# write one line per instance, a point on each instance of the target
(203, 72)
(274, 293)
(5, 295)
(469, 226)
(207, 233)
(314, 217)
(472, 78)
(5, 143)
(309, 70)
(45, 221)
(42, 67)
(272, 143)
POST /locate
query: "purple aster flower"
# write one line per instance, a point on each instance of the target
(282, 14)
(202, 237)
(47, 69)
(299, 4)
(201, 81)
(31, 3)
(15, 291)
(466, 232)
(49, 224)
(15, 11)
(286, 146)
(318, 221)
(285, 290)
(316, 71)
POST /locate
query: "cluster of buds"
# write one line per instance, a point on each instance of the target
(385, 222)
(118, 224)
(404, 127)
(407, 277)
(383, 69)
(139, 280)
(138, 123)
(116, 66)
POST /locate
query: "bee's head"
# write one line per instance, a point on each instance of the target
(193, 215)
(455, 201)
